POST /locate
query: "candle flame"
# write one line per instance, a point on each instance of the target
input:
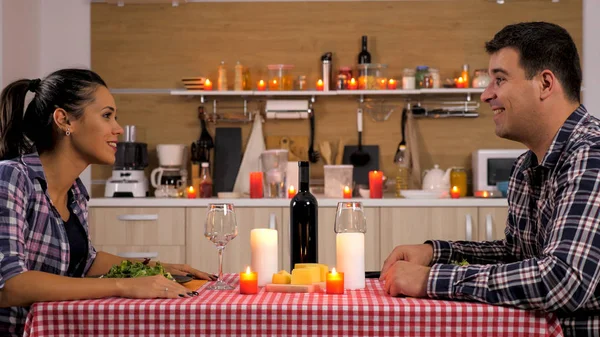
(460, 80)
(191, 189)
(392, 81)
(346, 189)
(207, 82)
(261, 82)
(352, 80)
(274, 81)
(248, 270)
(485, 194)
(292, 189)
(333, 272)
(454, 188)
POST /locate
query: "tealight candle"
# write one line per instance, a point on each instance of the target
(352, 85)
(208, 85)
(248, 282)
(460, 82)
(256, 185)
(274, 85)
(382, 84)
(320, 85)
(191, 193)
(347, 192)
(334, 283)
(376, 184)
(261, 86)
(291, 191)
(392, 84)
(455, 192)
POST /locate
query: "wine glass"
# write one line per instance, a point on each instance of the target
(220, 228)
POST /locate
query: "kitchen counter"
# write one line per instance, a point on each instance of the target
(323, 202)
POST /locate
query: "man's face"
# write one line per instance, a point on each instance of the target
(512, 97)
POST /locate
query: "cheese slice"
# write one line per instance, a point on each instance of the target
(323, 268)
(306, 276)
(283, 277)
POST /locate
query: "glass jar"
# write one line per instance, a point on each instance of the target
(458, 178)
(419, 76)
(408, 79)
(427, 81)
(301, 82)
(280, 77)
(342, 82)
(371, 76)
(435, 77)
(482, 79)
(347, 71)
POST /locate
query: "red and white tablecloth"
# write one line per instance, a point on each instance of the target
(368, 312)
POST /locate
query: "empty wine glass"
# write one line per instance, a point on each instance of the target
(220, 228)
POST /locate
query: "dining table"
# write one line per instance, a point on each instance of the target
(365, 312)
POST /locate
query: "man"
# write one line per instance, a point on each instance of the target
(550, 257)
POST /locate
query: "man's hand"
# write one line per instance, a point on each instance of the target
(418, 254)
(405, 278)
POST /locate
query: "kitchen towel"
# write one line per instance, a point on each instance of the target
(251, 159)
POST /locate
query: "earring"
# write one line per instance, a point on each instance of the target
(68, 133)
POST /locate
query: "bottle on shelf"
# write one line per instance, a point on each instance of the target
(364, 57)
(205, 188)
(238, 82)
(465, 76)
(222, 77)
(303, 221)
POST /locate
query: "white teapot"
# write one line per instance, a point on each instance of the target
(436, 179)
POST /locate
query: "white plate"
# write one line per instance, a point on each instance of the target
(420, 194)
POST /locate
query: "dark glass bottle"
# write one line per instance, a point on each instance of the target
(364, 56)
(303, 221)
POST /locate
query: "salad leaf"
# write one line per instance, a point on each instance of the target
(129, 269)
(462, 263)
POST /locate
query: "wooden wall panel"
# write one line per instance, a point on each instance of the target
(154, 46)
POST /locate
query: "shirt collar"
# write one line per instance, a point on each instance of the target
(36, 171)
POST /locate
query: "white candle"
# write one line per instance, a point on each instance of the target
(350, 258)
(263, 245)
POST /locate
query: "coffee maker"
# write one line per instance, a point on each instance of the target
(170, 178)
(128, 178)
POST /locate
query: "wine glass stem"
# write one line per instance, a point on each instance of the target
(220, 249)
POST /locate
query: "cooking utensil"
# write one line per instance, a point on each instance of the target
(400, 152)
(359, 157)
(340, 152)
(325, 148)
(205, 143)
(313, 156)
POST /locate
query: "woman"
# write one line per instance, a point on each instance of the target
(45, 248)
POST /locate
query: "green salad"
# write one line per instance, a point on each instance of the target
(129, 269)
(461, 263)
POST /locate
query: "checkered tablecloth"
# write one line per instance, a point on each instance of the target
(368, 312)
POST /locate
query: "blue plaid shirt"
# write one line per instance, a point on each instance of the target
(550, 258)
(32, 233)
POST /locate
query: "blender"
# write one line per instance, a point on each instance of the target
(274, 165)
(128, 178)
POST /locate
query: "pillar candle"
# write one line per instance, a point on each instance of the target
(455, 192)
(263, 248)
(191, 193)
(248, 282)
(347, 192)
(256, 185)
(334, 283)
(350, 258)
(208, 85)
(376, 184)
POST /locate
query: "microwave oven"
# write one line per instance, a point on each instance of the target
(491, 166)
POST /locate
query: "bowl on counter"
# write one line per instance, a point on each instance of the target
(364, 193)
(420, 194)
(502, 186)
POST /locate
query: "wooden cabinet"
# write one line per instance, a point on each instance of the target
(415, 225)
(152, 230)
(491, 223)
(202, 254)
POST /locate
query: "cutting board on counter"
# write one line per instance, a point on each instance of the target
(296, 145)
(361, 173)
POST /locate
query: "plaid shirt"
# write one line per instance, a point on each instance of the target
(550, 258)
(32, 233)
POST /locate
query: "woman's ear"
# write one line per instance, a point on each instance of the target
(61, 119)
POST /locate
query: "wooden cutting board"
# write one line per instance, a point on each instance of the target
(194, 285)
(297, 146)
(295, 288)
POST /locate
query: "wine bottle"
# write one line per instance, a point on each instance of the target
(303, 221)
(364, 56)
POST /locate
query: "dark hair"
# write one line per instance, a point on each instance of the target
(543, 45)
(21, 130)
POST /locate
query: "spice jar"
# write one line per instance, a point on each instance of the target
(435, 77)
(482, 79)
(420, 76)
(408, 79)
(427, 81)
(458, 178)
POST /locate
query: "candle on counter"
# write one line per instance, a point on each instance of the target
(256, 185)
(347, 192)
(460, 82)
(350, 258)
(352, 85)
(376, 184)
(264, 251)
(320, 85)
(208, 85)
(292, 191)
(392, 84)
(261, 86)
(191, 193)
(334, 283)
(248, 282)
(455, 192)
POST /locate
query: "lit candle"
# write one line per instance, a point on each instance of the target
(291, 191)
(460, 82)
(376, 184)
(392, 84)
(334, 283)
(347, 192)
(261, 86)
(208, 84)
(256, 185)
(191, 193)
(274, 85)
(352, 85)
(455, 192)
(383, 84)
(350, 258)
(320, 85)
(248, 282)
(264, 252)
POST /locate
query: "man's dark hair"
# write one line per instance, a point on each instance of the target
(543, 45)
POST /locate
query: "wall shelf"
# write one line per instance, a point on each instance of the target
(399, 92)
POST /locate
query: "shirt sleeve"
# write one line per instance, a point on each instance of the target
(565, 274)
(15, 189)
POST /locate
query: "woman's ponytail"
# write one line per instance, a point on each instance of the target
(12, 107)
